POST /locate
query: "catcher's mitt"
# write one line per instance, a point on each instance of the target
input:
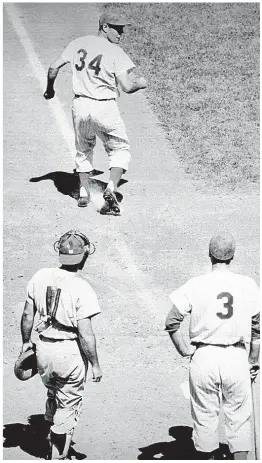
(26, 365)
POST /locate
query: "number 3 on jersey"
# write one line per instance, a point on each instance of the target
(94, 64)
(228, 305)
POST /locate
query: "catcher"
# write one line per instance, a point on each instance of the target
(60, 305)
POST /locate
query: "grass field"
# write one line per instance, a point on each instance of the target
(202, 66)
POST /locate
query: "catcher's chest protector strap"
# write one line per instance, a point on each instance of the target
(52, 300)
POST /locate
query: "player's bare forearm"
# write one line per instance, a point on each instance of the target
(254, 351)
(131, 83)
(51, 77)
(179, 342)
(27, 322)
(88, 345)
(139, 83)
(253, 359)
(255, 339)
(88, 341)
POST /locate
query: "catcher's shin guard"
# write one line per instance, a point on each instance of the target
(59, 446)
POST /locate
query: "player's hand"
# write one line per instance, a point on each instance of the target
(49, 94)
(253, 370)
(97, 373)
(26, 346)
(142, 82)
(190, 352)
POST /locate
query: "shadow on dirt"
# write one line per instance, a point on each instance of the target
(32, 438)
(182, 448)
(68, 184)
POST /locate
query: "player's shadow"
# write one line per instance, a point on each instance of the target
(32, 438)
(68, 184)
(182, 448)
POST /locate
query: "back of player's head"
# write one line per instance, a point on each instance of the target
(222, 246)
(73, 246)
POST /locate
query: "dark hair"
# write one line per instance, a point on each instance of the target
(79, 266)
(217, 261)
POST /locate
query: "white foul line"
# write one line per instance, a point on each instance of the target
(153, 303)
(55, 105)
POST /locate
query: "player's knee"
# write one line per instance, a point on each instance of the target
(120, 159)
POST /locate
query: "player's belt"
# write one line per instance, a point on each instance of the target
(94, 99)
(46, 339)
(236, 344)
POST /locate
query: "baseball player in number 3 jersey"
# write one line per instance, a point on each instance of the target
(98, 67)
(224, 319)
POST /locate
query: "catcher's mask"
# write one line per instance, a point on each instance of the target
(73, 246)
(26, 365)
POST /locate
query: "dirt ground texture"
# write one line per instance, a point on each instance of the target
(158, 242)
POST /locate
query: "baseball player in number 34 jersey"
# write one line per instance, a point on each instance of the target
(98, 67)
(224, 319)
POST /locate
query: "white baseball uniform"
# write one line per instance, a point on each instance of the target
(60, 363)
(96, 63)
(221, 305)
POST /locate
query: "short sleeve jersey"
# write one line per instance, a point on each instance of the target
(95, 64)
(76, 300)
(221, 305)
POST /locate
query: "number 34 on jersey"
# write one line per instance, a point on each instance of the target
(94, 63)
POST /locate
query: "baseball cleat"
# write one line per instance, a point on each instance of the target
(111, 205)
(119, 196)
(83, 201)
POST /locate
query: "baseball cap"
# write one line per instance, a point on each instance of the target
(112, 18)
(222, 246)
(71, 248)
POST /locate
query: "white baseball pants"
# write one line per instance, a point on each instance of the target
(220, 374)
(63, 372)
(93, 118)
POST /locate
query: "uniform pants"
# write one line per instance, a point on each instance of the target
(220, 374)
(101, 118)
(63, 372)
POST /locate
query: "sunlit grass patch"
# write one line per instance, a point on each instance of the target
(201, 61)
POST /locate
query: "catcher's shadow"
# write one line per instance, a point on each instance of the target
(182, 448)
(32, 438)
(68, 184)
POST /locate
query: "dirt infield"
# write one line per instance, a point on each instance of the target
(159, 241)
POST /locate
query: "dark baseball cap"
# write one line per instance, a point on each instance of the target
(222, 246)
(113, 18)
(71, 248)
